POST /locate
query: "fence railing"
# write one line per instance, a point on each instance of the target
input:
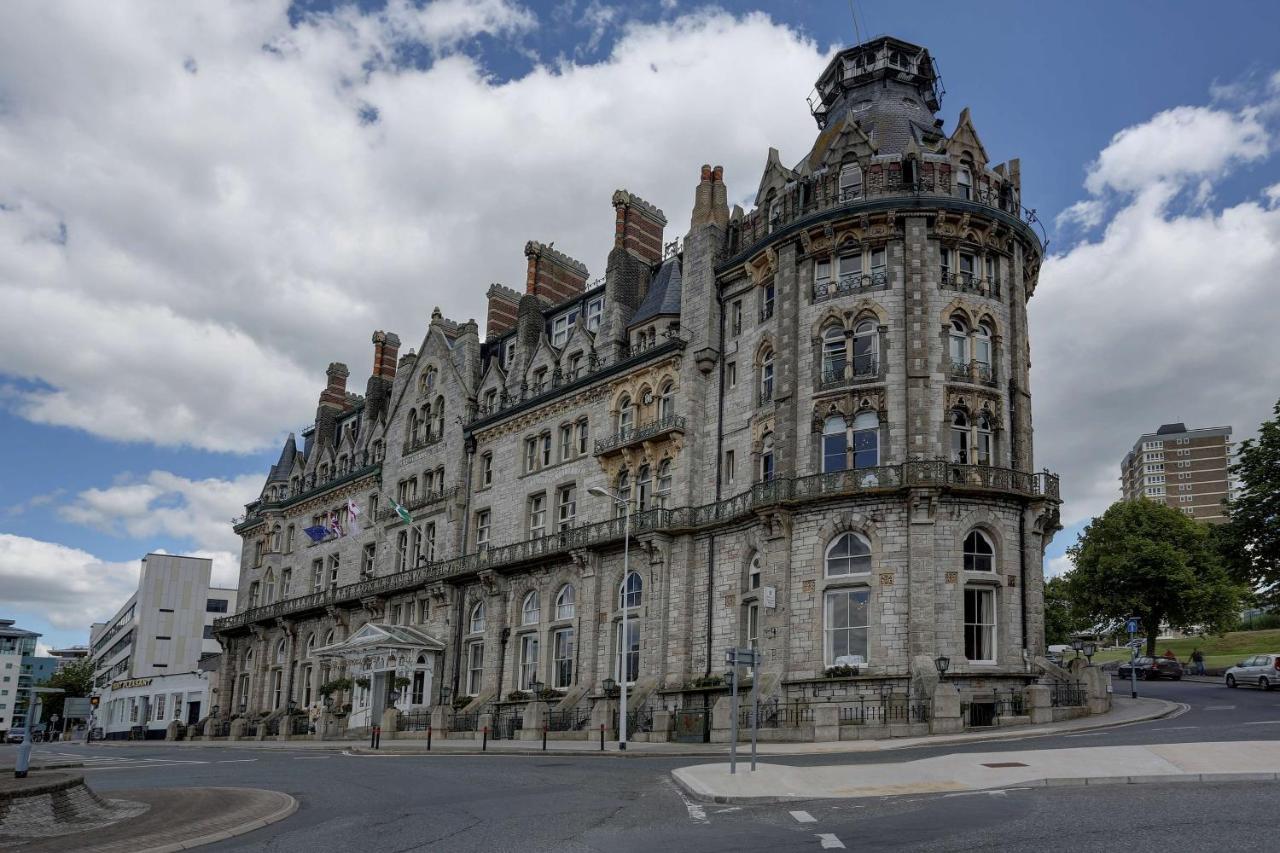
(886, 709)
(299, 724)
(936, 473)
(466, 722)
(970, 283)
(413, 721)
(776, 714)
(830, 288)
(1067, 694)
(570, 719)
(630, 435)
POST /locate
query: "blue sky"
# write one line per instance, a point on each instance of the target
(191, 229)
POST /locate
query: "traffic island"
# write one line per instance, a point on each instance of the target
(56, 804)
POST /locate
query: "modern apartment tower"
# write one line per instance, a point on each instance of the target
(1183, 468)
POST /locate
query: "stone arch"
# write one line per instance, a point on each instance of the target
(846, 522)
(829, 317)
(766, 345)
(990, 523)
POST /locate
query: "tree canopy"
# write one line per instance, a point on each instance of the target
(1145, 559)
(1250, 542)
(1060, 619)
(76, 678)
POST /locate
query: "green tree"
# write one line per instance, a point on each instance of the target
(76, 678)
(1060, 619)
(1250, 541)
(1145, 559)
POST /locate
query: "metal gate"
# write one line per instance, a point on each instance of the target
(507, 720)
(693, 725)
(982, 714)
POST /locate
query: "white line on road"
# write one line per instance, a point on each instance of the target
(313, 758)
(1219, 707)
(1262, 723)
(1173, 728)
(143, 766)
(696, 812)
(830, 842)
(804, 817)
(730, 809)
(234, 760)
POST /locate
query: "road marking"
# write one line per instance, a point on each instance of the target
(696, 812)
(1219, 707)
(830, 842)
(804, 817)
(1262, 723)
(313, 758)
(1174, 728)
(144, 766)
(234, 761)
(730, 809)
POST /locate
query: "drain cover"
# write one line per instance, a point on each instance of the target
(1005, 764)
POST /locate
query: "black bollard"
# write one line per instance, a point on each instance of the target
(428, 737)
(544, 738)
(484, 744)
(602, 737)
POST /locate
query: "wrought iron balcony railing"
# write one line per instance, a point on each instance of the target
(972, 371)
(827, 288)
(426, 439)
(631, 435)
(970, 283)
(861, 369)
(779, 491)
(311, 486)
(429, 499)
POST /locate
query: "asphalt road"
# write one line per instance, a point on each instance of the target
(530, 803)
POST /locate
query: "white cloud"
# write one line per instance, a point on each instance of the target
(1087, 213)
(1169, 315)
(1057, 566)
(1179, 143)
(165, 504)
(193, 225)
(71, 588)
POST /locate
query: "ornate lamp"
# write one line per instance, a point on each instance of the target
(1090, 649)
(536, 687)
(445, 694)
(729, 676)
(943, 663)
(610, 687)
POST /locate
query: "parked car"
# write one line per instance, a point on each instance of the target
(1262, 671)
(16, 734)
(1151, 668)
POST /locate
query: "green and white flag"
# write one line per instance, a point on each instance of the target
(400, 511)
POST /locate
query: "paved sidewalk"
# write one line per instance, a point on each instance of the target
(961, 772)
(1124, 711)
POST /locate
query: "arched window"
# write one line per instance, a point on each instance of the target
(311, 644)
(438, 411)
(984, 439)
(959, 436)
(662, 494)
(766, 376)
(475, 624)
(834, 354)
(565, 602)
(866, 440)
(982, 347)
(428, 380)
(866, 349)
(413, 426)
(624, 491)
(270, 586)
(630, 592)
(530, 611)
(644, 487)
(626, 415)
(766, 457)
(979, 554)
(835, 444)
(666, 400)
(959, 343)
(280, 651)
(328, 638)
(754, 571)
(849, 554)
(964, 183)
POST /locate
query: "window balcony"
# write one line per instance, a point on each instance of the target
(827, 288)
(966, 282)
(644, 432)
(766, 311)
(426, 439)
(977, 372)
(861, 369)
(417, 503)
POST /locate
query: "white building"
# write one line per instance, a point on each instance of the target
(152, 702)
(17, 648)
(166, 626)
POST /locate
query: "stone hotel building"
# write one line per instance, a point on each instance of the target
(814, 417)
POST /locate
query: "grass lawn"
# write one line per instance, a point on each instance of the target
(1223, 651)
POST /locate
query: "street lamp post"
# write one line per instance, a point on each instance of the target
(624, 632)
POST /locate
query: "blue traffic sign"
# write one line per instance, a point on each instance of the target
(1131, 626)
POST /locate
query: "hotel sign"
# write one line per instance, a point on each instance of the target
(131, 682)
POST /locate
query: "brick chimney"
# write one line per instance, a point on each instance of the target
(386, 348)
(710, 200)
(638, 228)
(503, 304)
(553, 275)
(335, 393)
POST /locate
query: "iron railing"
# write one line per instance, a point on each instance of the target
(885, 709)
(429, 499)
(774, 492)
(775, 714)
(299, 724)
(631, 435)
(1068, 694)
(570, 719)
(968, 282)
(311, 486)
(413, 721)
(860, 369)
(466, 722)
(827, 288)
(429, 438)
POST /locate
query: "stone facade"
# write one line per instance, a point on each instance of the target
(816, 410)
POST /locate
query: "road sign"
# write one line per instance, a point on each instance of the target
(1131, 626)
(740, 657)
(1134, 644)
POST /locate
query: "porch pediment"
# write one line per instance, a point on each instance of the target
(377, 639)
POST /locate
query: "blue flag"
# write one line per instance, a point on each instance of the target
(317, 533)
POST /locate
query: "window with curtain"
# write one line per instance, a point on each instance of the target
(866, 356)
(980, 625)
(845, 625)
(848, 554)
(866, 440)
(835, 444)
(834, 354)
(979, 554)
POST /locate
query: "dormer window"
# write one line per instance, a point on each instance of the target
(850, 181)
(506, 353)
(595, 311)
(560, 328)
(964, 183)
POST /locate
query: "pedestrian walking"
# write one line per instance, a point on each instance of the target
(1197, 662)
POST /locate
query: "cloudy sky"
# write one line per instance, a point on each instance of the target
(202, 205)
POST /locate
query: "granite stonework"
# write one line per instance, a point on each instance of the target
(849, 357)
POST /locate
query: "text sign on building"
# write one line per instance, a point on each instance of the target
(770, 596)
(131, 682)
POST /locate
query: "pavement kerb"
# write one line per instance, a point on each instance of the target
(280, 814)
(1065, 782)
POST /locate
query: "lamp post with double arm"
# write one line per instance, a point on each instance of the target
(623, 634)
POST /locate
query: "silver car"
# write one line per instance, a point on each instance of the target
(1260, 670)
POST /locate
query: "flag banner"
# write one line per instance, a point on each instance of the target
(334, 527)
(318, 533)
(400, 511)
(353, 513)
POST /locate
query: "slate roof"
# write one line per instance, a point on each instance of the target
(664, 293)
(280, 470)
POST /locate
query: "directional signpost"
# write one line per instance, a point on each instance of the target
(736, 658)
(1131, 626)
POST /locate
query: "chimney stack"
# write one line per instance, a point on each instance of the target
(503, 304)
(386, 347)
(335, 393)
(711, 199)
(553, 276)
(638, 227)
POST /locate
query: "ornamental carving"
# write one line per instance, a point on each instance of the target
(886, 579)
(974, 401)
(952, 577)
